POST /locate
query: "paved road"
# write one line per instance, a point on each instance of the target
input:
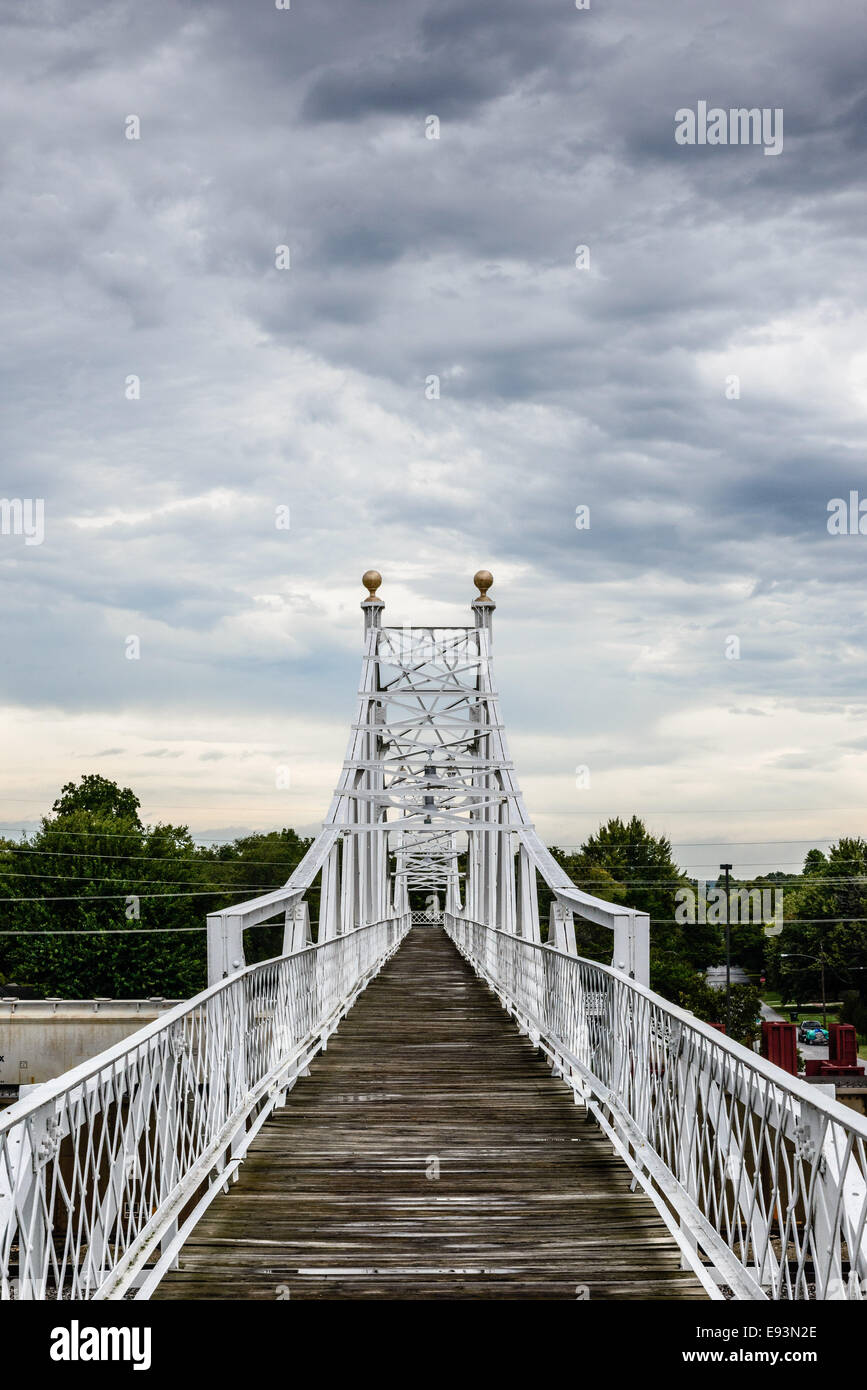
(807, 1049)
(716, 978)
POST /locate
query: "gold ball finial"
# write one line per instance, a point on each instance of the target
(483, 579)
(371, 579)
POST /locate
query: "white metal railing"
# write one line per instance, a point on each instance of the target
(761, 1178)
(104, 1171)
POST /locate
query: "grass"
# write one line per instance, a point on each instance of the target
(774, 1002)
(768, 997)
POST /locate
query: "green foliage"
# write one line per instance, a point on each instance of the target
(94, 871)
(256, 864)
(748, 945)
(745, 1013)
(692, 991)
(748, 939)
(594, 942)
(822, 915)
(642, 866)
(641, 861)
(623, 862)
(854, 1011)
(99, 796)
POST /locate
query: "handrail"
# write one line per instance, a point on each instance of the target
(255, 910)
(631, 928)
(105, 1170)
(760, 1178)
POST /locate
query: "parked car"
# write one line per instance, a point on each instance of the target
(811, 1031)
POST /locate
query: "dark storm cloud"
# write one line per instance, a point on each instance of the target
(398, 87)
(455, 259)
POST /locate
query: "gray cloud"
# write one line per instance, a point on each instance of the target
(455, 258)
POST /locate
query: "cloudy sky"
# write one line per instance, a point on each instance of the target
(607, 386)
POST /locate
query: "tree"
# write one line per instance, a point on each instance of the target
(104, 906)
(748, 938)
(854, 1011)
(693, 992)
(257, 863)
(744, 1013)
(826, 919)
(100, 797)
(105, 909)
(594, 942)
(642, 863)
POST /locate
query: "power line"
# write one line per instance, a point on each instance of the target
(112, 897)
(116, 931)
(154, 830)
(134, 858)
(253, 834)
(110, 931)
(649, 811)
(623, 846)
(791, 921)
(106, 878)
(165, 805)
(746, 863)
(717, 810)
(714, 844)
(48, 853)
(793, 880)
(752, 864)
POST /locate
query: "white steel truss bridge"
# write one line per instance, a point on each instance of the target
(726, 1177)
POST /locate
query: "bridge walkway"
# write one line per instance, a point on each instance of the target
(430, 1155)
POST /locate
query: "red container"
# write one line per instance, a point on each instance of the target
(780, 1045)
(843, 1045)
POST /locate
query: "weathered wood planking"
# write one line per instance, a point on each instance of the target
(338, 1197)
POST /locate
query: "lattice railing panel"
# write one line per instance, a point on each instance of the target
(760, 1178)
(98, 1168)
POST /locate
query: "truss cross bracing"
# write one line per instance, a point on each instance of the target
(428, 811)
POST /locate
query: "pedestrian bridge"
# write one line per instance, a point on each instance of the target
(430, 1104)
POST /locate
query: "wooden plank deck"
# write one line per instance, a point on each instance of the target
(427, 1074)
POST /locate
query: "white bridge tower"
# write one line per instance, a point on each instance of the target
(428, 802)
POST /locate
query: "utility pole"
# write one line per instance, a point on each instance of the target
(727, 868)
(824, 996)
